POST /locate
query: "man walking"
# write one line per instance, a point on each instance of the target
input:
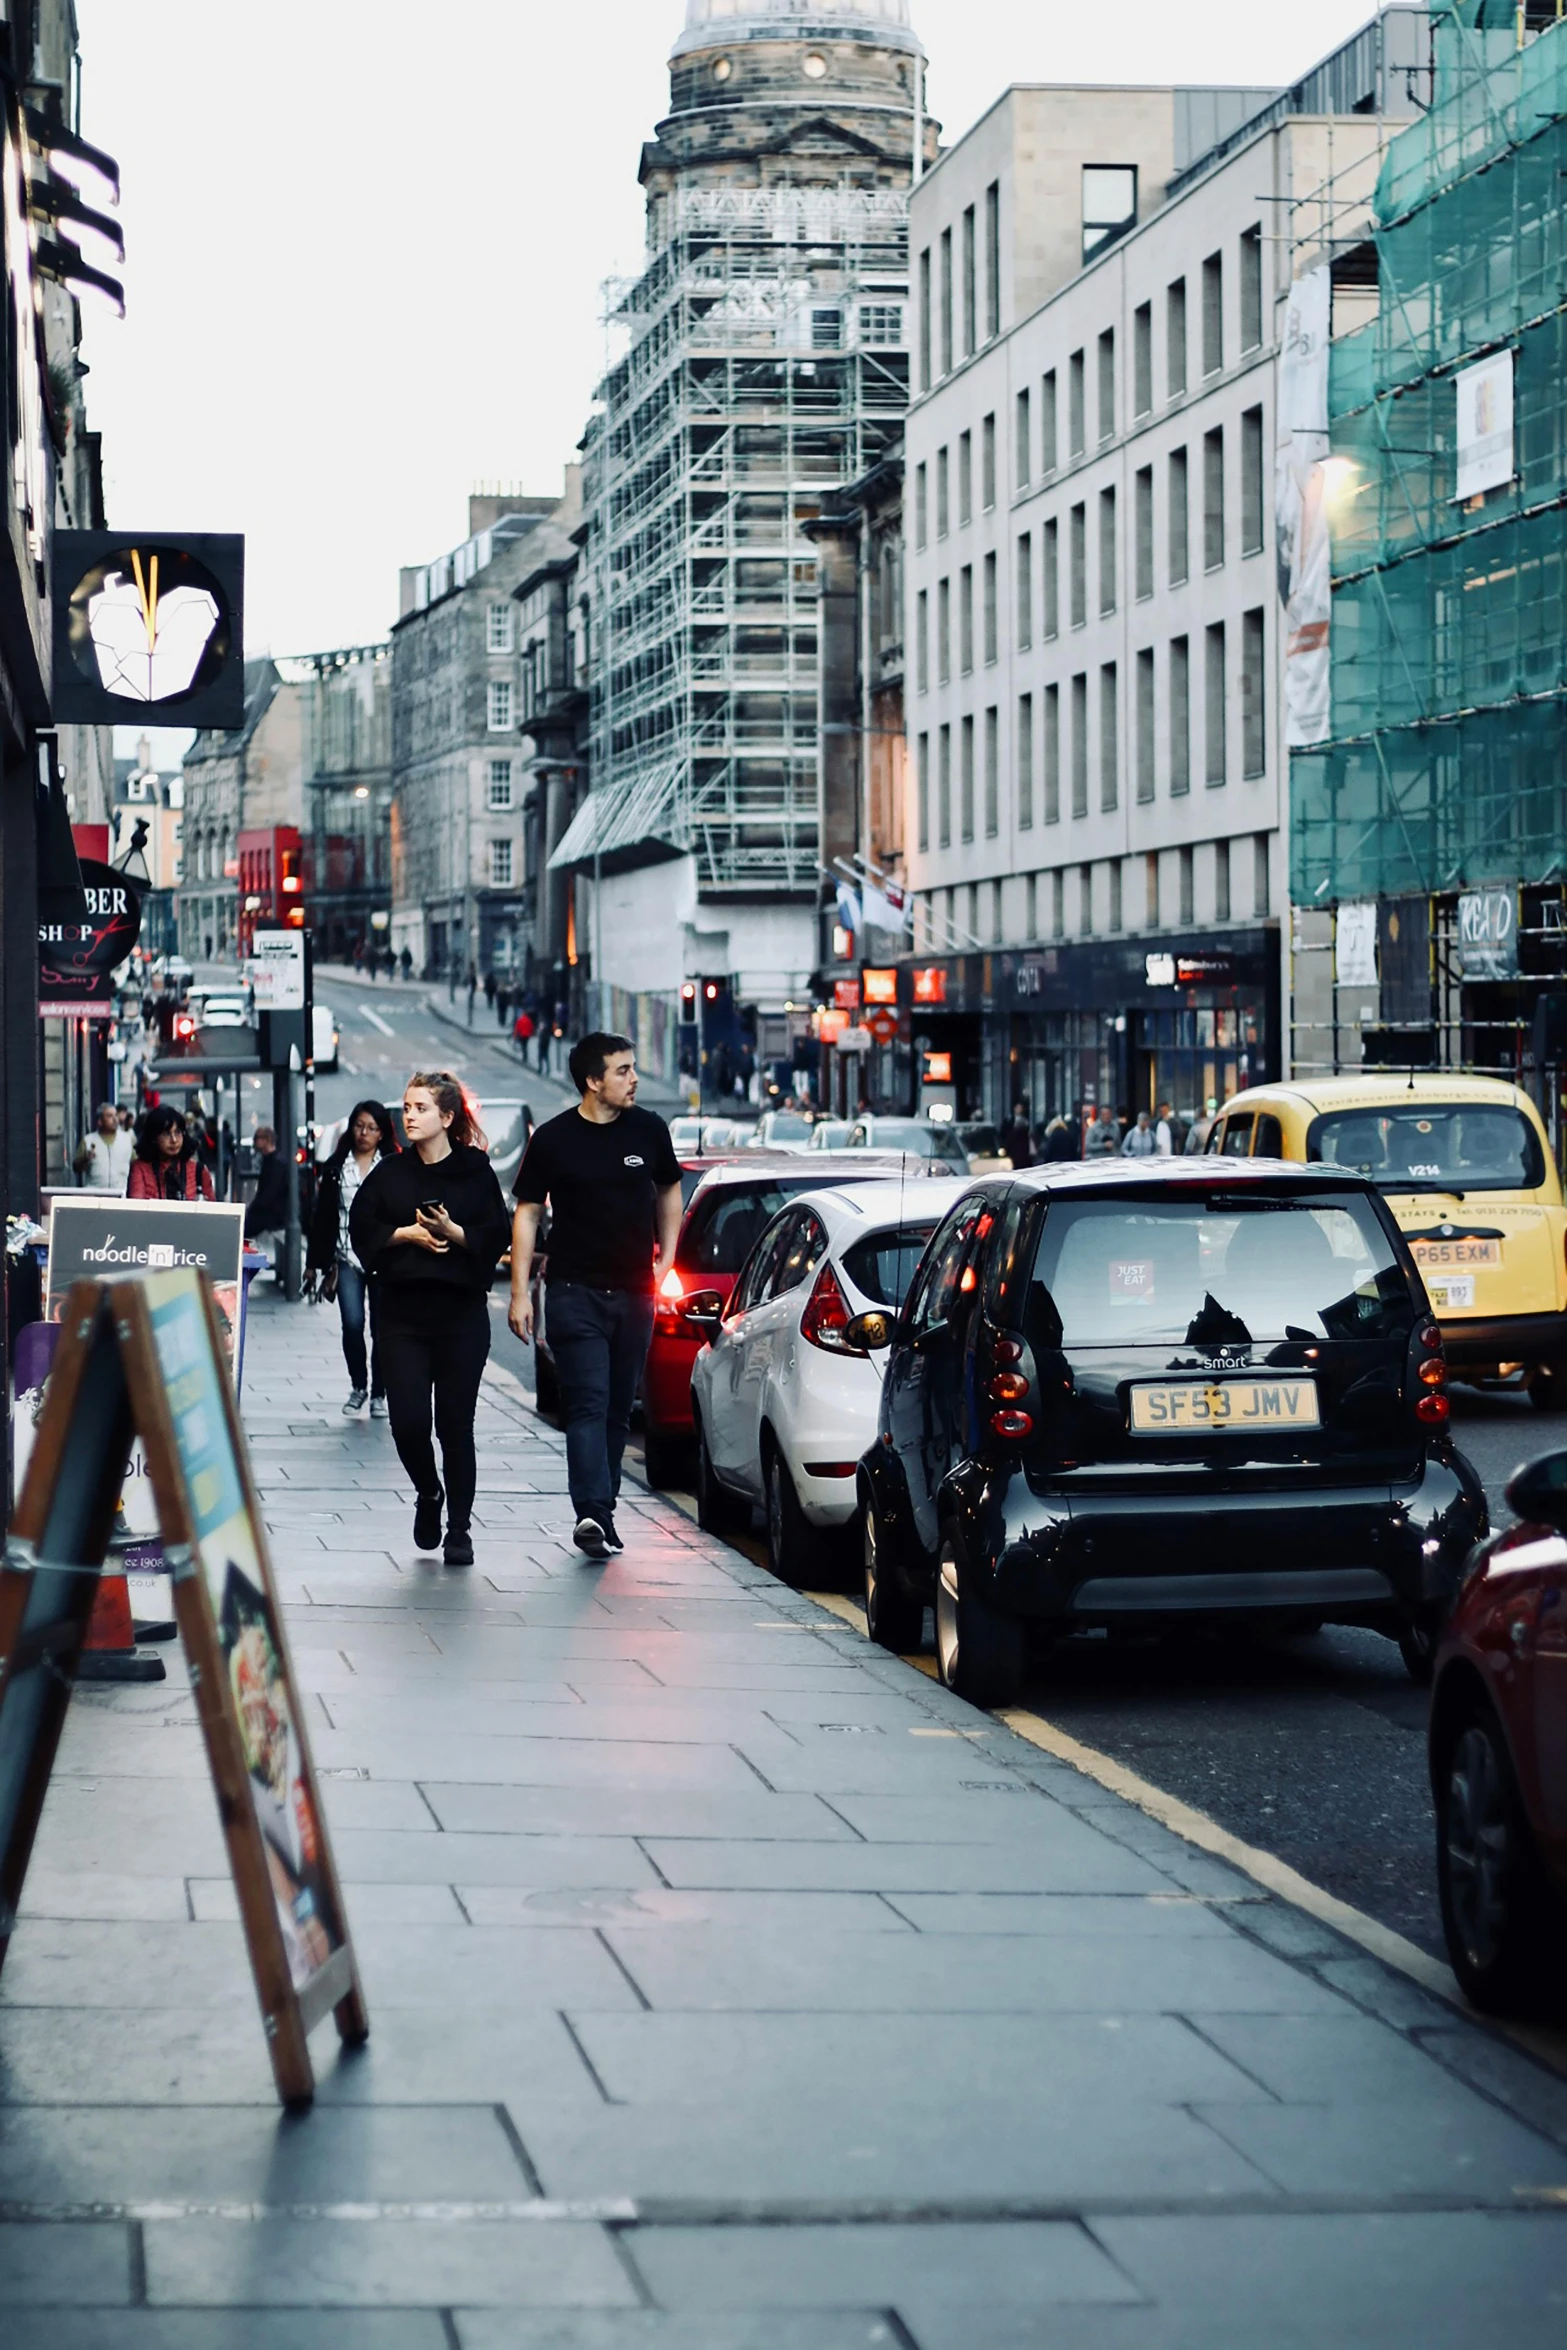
(104, 1160)
(612, 1180)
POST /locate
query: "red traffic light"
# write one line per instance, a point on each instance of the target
(184, 1025)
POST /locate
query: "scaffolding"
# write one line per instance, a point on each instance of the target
(765, 367)
(1447, 765)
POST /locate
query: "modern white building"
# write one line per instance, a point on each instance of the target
(1097, 781)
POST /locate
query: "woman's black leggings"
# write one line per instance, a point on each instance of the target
(434, 1346)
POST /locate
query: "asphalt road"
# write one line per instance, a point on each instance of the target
(1312, 1749)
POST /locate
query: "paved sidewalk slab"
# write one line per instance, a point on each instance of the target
(732, 1987)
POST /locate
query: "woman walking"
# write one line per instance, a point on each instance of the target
(368, 1137)
(166, 1165)
(430, 1225)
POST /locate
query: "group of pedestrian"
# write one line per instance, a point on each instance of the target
(1151, 1134)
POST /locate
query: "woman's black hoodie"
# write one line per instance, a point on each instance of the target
(391, 1196)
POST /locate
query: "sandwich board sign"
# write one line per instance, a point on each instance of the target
(146, 1358)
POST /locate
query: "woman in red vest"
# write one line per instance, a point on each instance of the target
(166, 1165)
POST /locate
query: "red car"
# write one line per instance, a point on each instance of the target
(1498, 1747)
(724, 1217)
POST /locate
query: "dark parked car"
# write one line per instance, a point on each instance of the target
(1133, 1393)
(1499, 1758)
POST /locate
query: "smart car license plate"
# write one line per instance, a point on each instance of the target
(1243, 1405)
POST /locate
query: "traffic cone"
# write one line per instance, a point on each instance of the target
(109, 1652)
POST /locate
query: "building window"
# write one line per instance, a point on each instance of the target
(1213, 314)
(1213, 499)
(1221, 881)
(992, 260)
(1115, 894)
(1107, 588)
(498, 628)
(1050, 564)
(1078, 557)
(500, 783)
(1031, 909)
(944, 788)
(1142, 360)
(943, 631)
(922, 787)
(1254, 692)
(1047, 424)
(1080, 744)
(1180, 716)
(1261, 896)
(992, 773)
(1175, 339)
(1058, 904)
(1142, 528)
(970, 289)
(1215, 706)
(1076, 427)
(965, 619)
(946, 301)
(1151, 889)
(500, 708)
(966, 778)
(827, 330)
(965, 479)
(1186, 867)
(987, 463)
(1109, 204)
(500, 864)
(1251, 482)
(1085, 896)
(1025, 762)
(943, 493)
(921, 505)
(1109, 743)
(1025, 593)
(990, 610)
(924, 326)
(1180, 546)
(1145, 725)
(1251, 289)
(922, 641)
(1024, 452)
(1051, 761)
(1107, 385)
(881, 326)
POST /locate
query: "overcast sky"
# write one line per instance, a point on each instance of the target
(366, 240)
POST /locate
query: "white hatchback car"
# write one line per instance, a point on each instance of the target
(783, 1408)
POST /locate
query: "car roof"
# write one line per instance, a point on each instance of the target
(1385, 1091)
(1210, 1172)
(874, 1207)
(753, 1166)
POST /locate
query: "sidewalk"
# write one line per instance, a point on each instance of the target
(732, 1987)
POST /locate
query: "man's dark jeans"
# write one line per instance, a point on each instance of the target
(600, 1339)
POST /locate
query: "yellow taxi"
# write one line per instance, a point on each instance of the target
(1466, 1167)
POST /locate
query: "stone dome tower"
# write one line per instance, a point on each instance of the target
(791, 92)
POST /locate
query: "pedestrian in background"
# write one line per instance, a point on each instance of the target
(166, 1165)
(1169, 1133)
(429, 1226)
(1060, 1142)
(489, 991)
(1140, 1143)
(522, 1031)
(1017, 1139)
(368, 1138)
(612, 1179)
(473, 990)
(1102, 1140)
(105, 1158)
(266, 1218)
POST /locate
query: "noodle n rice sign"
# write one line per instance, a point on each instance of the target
(146, 1358)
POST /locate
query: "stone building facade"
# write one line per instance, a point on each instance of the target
(245, 779)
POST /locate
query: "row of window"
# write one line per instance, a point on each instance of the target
(951, 307)
(1091, 900)
(1177, 525)
(1052, 739)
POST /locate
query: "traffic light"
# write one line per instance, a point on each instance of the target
(688, 1000)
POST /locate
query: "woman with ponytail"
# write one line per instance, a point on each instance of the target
(431, 1224)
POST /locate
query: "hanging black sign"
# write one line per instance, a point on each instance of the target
(76, 960)
(146, 626)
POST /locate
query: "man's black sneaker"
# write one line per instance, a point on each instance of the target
(427, 1520)
(612, 1539)
(589, 1535)
(459, 1548)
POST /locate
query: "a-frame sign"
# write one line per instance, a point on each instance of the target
(147, 1356)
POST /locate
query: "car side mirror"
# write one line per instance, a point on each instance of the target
(1537, 1492)
(703, 1311)
(871, 1333)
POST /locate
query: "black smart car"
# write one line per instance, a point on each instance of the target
(1190, 1389)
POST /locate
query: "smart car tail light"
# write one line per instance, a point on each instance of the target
(826, 1316)
(1432, 1408)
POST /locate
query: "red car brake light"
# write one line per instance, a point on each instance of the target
(827, 1316)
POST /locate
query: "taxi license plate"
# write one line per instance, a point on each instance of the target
(1455, 1256)
(1451, 1293)
(1242, 1404)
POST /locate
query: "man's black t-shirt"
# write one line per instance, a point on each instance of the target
(602, 1183)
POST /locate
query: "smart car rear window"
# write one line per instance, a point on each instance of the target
(881, 1266)
(1215, 1269)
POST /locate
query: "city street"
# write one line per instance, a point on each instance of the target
(731, 1987)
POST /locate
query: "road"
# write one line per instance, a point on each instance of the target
(1311, 1749)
